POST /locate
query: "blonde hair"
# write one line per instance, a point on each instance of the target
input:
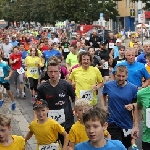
(5, 120)
(81, 102)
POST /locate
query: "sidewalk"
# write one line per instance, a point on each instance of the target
(19, 122)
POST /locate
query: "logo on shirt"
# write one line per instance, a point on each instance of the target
(62, 95)
(60, 103)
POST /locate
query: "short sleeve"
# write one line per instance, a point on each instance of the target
(40, 94)
(99, 76)
(70, 92)
(72, 136)
(104, 91)
(7, 68)
(67, 59)
(11, 56)
(71, 76)
(21, 142)
(59, 128)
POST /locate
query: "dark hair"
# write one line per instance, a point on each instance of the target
(94, 114)
(91, 47)
(74, 45)
(120, 47)
(121, 68)
(15, 47)
(147, 56)
(36, 51)
(59, 57)
(84, 54)
(53, 61)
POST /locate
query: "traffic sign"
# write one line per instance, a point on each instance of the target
(141, 18)
(101, 16)
(132, 12)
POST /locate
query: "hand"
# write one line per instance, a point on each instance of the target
(135, 132)
(94, 87)
(64, 148)
(6, 78)
(97, 66)
(102, 60)
(129, 107)
(17, 59)
(98, 42)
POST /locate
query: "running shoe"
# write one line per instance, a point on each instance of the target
(1, 103)
(23, 95)
(13, 105)
(134, 147)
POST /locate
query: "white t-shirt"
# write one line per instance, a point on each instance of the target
(55, 40)
(7, 49)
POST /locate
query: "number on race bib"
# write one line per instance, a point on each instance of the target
(33, 70)
(66, 49)
(111, 45)
(1, 72)
(105, 65)
(87, 94)
(148, 117)
(57, 115)
(20, 71)
(127, 132)
(53, 146)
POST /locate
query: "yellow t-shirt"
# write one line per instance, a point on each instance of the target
(46, 133)
(131, 44)
(32, 68)
(147, 68)
(77, 133)
(72, 59)
(84, 79)
(18, 144)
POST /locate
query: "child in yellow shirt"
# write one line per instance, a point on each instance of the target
(77, 133)
(7, 141)
(45, 129)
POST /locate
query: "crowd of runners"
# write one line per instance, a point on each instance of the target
(64, 77)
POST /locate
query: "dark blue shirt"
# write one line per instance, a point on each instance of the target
(141, 58)
(118, 97)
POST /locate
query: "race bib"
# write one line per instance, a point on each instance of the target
(57, 115)
(20, 71)
(87, 94)
(105, 65)
(148, 117)
(120, 61)
(66, 50)
(53, 146)
(126, 132)
(111, 45)
(1, 72)
(33, 70)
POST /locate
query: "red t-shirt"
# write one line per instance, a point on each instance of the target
(16, 65)
(44, 48)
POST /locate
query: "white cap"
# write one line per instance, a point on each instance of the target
(118, 41)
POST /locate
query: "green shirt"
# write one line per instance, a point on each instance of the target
(72, 59)
(143, 100)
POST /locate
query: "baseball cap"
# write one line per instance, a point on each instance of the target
(118, 41)
(40, 103)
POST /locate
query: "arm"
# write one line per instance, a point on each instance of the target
(71, 146)
(65, 140)
(28, 136)
(9, 75)
(103, 101)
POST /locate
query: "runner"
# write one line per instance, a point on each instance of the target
(5, 74)
(18, 72)
(136, 70)
(50, 128)
(95, 124)
(87, 79)
(7, 141)
(57, 92)
(77, 133)
(33, 63)
(121, 97)
(65, 47)
(143, 103)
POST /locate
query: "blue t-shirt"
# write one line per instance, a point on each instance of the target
(4, 72)
(141, 58)
(118, 97)
(110, 145)
(14, 43)
(24, 55)
(49, 53)
(136, 72)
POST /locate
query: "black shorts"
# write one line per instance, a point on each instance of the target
(104, 72)
(6, 85)
(117, 134)
(145, 146)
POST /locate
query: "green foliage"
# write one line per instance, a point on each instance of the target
(52, 10)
